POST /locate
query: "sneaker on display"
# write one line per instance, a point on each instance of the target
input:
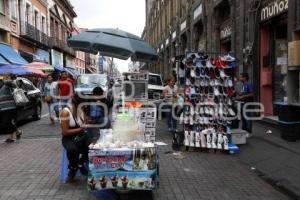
(209, 64)
(208, 141)
(214, 139)
(203, 139)
(186, 138)
(212, 82)
(222, 74)
(191, 120)
(188, 82)
(197, 139)
(186, 119)
(202, 72)
(192, 138)
(216, 91)
(231, 112)
(225, 141)
(193, 74)
(220, 141)
(230, 82)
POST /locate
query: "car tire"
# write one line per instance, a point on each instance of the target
(38, 113)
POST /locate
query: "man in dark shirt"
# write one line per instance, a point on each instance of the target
(246, 96)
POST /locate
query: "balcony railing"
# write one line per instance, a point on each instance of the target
(61, 44)
(30, 32)
(4, 22)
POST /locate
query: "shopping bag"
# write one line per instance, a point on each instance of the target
(20, 97)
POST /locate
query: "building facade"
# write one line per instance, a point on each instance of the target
(4, 22)
(61, 15)
(257, 33)
(29, 29)
(80, 56)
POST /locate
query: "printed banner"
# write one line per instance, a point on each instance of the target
(109, 160)
(123, 180)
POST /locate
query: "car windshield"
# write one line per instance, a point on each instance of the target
(154, 80)
(92, 80)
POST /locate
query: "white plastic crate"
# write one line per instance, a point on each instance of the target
(238, 136)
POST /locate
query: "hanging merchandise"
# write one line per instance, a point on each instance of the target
(208, 110)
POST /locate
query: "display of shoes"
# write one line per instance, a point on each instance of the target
(209, 88)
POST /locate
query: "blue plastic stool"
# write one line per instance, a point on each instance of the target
(64, 167)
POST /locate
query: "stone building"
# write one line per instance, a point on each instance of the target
(256, 32)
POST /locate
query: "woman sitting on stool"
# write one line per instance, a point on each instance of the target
(73, 140)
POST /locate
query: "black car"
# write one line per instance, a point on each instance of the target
(32, 108)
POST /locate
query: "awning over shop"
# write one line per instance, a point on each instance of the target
(3, 61)
(11, 55)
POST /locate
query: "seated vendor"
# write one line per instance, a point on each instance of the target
(72, 140)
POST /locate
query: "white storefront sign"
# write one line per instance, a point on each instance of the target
(225, 32)
(274, 8)
(183, 25)
(198, 11)
(174, 34)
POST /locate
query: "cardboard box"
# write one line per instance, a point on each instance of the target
(294, 54)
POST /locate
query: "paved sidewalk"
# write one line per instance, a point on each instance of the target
(29, 169)
(274, 159)
(207, 176)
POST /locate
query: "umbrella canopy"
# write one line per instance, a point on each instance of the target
(114, 43)
(72, 72)
(42, 66)
(20, 70)
(36, 72)
(14, 69)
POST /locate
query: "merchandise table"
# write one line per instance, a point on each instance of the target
(121, 159)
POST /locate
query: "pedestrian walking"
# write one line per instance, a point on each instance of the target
(170, 99)
(74, 139)
(65, 89)
(246, 96)
(50, 97)
(8, 114)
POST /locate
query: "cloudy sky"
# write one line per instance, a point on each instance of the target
(127, 15)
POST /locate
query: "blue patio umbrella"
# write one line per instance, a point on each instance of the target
(14, 69)
(114, 43)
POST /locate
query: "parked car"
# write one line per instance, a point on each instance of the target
(85, 84)
(33, 108)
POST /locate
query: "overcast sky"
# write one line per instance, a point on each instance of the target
(127, 15)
